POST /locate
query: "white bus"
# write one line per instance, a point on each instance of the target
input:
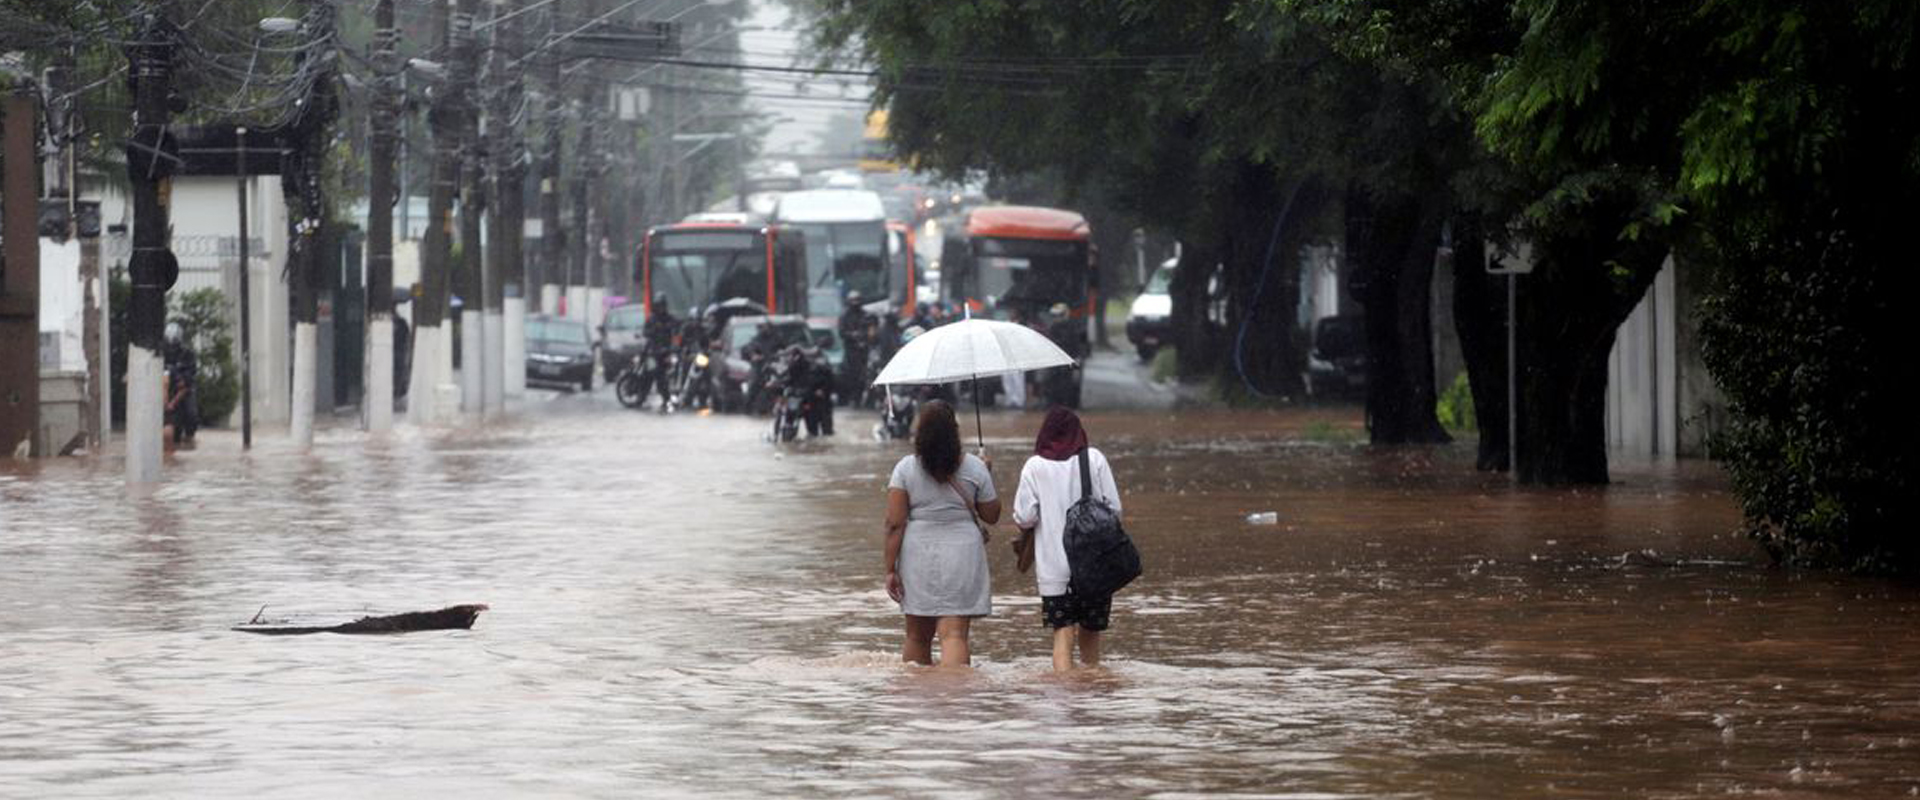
(847, 247)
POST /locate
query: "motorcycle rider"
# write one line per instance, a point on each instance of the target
(661, 323)
(661, 330)
(814, 383)
(856, 337)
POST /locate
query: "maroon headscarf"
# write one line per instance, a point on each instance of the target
(1061, 436)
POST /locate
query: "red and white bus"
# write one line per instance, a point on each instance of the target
(698, 264)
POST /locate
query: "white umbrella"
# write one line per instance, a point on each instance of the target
(972, 349)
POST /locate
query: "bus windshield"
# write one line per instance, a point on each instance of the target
(1031, 272)
(843, 257)
(698, 268)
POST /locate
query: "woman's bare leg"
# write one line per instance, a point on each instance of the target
(1089, 647)
(918, 648)
(1063, 648)
(954, 651)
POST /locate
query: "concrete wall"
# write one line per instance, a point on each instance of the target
(206, 224)
(1642, 375)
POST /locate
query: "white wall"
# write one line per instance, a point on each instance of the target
(206, 223)
(62, 307)
(1642, 394)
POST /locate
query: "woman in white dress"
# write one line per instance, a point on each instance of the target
(936, 554)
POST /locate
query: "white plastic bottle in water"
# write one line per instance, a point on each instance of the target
(1264, 518)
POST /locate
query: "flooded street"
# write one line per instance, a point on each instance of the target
(679, 608)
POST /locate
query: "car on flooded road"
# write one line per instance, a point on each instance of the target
(621, 337)
(559, 353)
(1150, 318)
(1337, 361)
(740, 337)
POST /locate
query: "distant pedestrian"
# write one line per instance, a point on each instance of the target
(1049, 485)
(936, 544)
(183, 395)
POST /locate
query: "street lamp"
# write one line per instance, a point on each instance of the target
(279, 25)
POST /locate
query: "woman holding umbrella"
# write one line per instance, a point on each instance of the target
(939, 502)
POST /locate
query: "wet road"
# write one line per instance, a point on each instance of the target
(682, 609)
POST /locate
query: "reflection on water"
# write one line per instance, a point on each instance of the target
(678, 611)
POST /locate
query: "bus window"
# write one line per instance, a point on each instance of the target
(843, 257)
(1029, 272)
(697, 269)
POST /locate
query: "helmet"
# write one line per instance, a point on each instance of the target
(853, 297)
(174, 332)
(660, 301)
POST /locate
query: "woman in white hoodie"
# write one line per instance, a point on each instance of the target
(1049, 485)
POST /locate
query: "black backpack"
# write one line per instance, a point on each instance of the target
(1100, 556)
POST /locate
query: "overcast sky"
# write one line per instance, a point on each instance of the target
(774, 37)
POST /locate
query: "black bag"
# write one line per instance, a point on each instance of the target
(1100, 556)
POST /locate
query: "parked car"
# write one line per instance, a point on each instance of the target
(1150, 320)
(1337, 362)
(774, 333)
(827, 338)
(621, 337)
(559, 352)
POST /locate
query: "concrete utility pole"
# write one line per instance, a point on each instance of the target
(505, 307)
(586, 155)
(300, 185)
(20, 282)
(553, 244)
(383, 135)
(471, 279)
(430, 297)
(151, 161)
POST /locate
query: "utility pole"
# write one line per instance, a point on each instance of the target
(382, 136)
(151, 160)
(505, 307)
(20, 281)
(471, 278)
(430, 296)
(580, 280)
(553, 243)
(436, 248)
(301, 187)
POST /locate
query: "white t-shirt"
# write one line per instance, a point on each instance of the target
(1047, 489)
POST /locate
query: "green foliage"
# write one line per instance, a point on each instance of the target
(203, 317)
(1455, 406)
(1771, 140)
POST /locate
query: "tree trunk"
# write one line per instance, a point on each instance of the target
(1266, 349)
(1193, 333)
(1586, 281)
(1392, 240)
(1480, 319)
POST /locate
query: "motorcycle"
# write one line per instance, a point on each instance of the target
(789, 402)
(696, 382)
(648, 369)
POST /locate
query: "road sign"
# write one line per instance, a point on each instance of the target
(1514, 258)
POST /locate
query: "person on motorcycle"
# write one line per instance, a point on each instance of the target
(662, 325)
(659, 334)
(856, 337)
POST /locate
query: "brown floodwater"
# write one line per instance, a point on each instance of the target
(680, 608)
